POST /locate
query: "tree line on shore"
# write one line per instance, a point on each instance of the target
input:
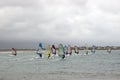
(80, 48)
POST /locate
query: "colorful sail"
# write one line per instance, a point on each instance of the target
(40, 45)
(47, 51)
(53, 49)
(61, 51)
(39, 51)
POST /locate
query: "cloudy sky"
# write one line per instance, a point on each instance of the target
(25, 23)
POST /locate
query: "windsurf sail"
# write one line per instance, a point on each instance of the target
(86, 48)
(109, 49)
(14, 52)
(65, 50)
(53, 49)
(76, 50)
(47, 51)
(40, 45)
(61, 51)
(69, 50)
(93, 49)
(39, 51)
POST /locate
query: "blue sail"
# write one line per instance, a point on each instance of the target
(40, 45)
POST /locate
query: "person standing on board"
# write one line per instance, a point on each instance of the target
(39, 52)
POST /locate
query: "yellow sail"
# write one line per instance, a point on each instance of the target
(47, 51)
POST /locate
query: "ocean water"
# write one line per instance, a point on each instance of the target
(98, 66)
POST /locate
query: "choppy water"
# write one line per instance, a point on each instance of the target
(26, 62)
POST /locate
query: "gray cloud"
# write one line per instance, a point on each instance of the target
(66, 21)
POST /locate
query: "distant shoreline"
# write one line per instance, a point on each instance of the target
(5, 50)
(80, 48)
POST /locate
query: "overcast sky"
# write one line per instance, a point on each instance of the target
(25, 23)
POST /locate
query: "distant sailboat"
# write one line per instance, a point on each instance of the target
(14, 52)
(65, 50)
(86, 49)
(69, 50)
(76, 50)
(108, 49)
(93, 49)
